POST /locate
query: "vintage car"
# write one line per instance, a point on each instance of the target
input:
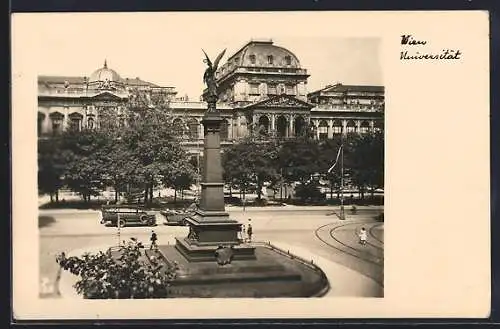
(126, 215)
(175, 217)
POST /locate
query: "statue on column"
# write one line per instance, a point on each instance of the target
(210, 80)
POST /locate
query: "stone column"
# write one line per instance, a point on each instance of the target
(211, 227)
(344, 126)
(273, 122)
(290, 126)
(372, 125)
(358, 126)
(330, 128)
(201, 134)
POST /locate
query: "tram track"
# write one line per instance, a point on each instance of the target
(351, 251)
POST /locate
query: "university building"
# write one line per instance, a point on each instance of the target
(262, 91)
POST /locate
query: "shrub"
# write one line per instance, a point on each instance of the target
(126, 273)
(309, 192)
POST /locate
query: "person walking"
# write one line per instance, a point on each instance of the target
(362, 236)
(249, 232)
(153, 239)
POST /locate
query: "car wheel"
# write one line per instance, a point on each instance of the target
(121, 222)
(144, 219)
(151, 222)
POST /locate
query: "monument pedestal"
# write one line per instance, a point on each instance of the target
(210, 227)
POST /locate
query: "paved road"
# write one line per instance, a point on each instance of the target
(316, 229)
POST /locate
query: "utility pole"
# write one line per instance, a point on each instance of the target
(119, 227)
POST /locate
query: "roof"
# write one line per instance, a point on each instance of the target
(48, 79)
(261, 50)
(346, 88)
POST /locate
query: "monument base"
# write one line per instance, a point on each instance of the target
(209, 230)
(270, 274)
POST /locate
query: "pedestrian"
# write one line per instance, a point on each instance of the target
(243, 231)
(153, 239)
(362, 236)
(249, 232)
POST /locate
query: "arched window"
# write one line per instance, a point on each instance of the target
(288, 60)
(351, 126)
(270, 60)
(337, 127)
(57, 122)
(300, 126)
(75, 121)
(323, 130)
(252, 59)
(379, 125)
(365, 127)
(281, 126)
(263, 125)
(90, 122)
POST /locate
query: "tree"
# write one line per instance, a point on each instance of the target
(86, 161)
(251, 163)
(129, 273)
(366, 161)
(155, 147)
(298, 158)
(51, 166)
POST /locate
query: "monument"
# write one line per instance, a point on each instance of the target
(212, 261)
(211, 228)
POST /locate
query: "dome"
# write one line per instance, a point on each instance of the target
(265, 53)
(104, 74)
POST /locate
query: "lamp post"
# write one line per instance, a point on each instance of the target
(342, 212)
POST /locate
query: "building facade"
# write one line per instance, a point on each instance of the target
(90, 102)
(262, 91)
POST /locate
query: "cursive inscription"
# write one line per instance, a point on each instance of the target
(409, 43)
(408, 39)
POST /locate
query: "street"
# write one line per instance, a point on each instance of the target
(315, 229)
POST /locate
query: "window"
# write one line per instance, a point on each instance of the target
(270, 59)
(254, 89)
(57, 123)
(365, 127)
(351, 126)
(193, 129)
(290, 90)
(74, 124)
(252, 59)
(323, 130)
(288, 60)
(90, 123)
(271, 89)
(337, 127)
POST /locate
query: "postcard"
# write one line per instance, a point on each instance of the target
(232, 165)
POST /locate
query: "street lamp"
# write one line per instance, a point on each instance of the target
(342, 211)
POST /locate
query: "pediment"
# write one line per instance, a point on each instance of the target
(282, 101)
(106, 96)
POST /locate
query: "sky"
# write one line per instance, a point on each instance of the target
(165, 48)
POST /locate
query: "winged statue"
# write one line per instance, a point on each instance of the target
(209, 76)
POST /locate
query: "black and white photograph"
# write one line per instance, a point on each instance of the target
(186, 156)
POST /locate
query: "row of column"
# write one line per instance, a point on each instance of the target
(316, 124)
